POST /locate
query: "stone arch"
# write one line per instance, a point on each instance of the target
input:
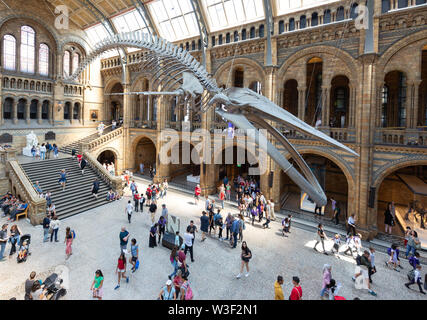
(393, 166)
(341, 163)
(111, 82)
(323, 52)
(398, 45)
(107, 148)
(222, 74)
(70, 38)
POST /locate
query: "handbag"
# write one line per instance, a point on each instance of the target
(50, 230)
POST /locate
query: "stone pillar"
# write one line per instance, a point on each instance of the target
(301, 102)
(141, 109)
(1, 109)
(39, 112)
(326, 108)
(416, 103)
(15, 112)
(27, 112)
(408, 104)
(365, 121)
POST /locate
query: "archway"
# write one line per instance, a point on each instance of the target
(290, 97)
(107, 157)
(187, 168)
(340, 99)
(22, 103)
(114, 103)
(8, 108)
(313, 103)
(393, 112)
(145, 153)
(235, 161)
(33, 108)
(404, 186)
(422, 98)
(67, 110)
(331, 178)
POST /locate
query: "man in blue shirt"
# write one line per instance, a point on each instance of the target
(19, 209)
(124, 237)
(46, 223)
(235, 228)
(204, 225)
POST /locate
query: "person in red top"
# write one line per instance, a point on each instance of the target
(197, 192)
(79, 157)
(222, 197)
(136, 198)
(121, 270)
(296, 293)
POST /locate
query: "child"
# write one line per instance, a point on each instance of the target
(22, 254)
(407, 235)
(337, 243)
(357, 243)
(350, 243)
(414, 260)
(393, 258)
(372, 269)
(285, 224)
(177, 239)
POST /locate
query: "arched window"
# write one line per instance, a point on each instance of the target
(252, 33)
(302, 22)
(261, 31)
(244, 34)
(22, 103)
(76, 61)
(238, 77)
(227, 38)
(220, 39)
(45, 110)
(291, 24)
(327, 16)
(384, 103)
(314, 19)
(353, 9)
(281, 26)
(236, 36)
(199, 44)
(193, 45)
(9, 52)
(67, 110)
(33, 109)
(213, 41)
(76, 111)
(66, 64)
(7, 108)
(187, 46)
(402, 3)
(340, 14)
(28, 40)
(385, 6)
(44, 60)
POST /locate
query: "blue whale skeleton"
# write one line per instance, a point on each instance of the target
(177, 72)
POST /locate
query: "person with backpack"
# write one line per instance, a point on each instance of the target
(162, 227)
(416, 279)
(141, 202)
(235, 227)
(48, 150)
(412, 244)
(136, 198)
(121, 270)
(246, 255)
(55, 151)
(153, 209)
(95, 188)
(133, 260)
(69, 236)
(361, 276)
(186, 292)
(228, 222)
(296, 293)
(167, 292)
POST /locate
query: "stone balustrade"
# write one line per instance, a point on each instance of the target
(12, 82)
(96, 143)
(116, 183)
(408, 137)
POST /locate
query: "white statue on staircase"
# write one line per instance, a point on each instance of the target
(31, 141)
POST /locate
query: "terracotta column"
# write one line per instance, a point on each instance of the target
(416, 103)
(301, 102)
(39, 112)
(326, 108)
(27, 112)
(15, 112)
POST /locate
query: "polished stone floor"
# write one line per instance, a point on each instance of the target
(213, 272)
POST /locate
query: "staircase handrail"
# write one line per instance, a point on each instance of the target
(96, 131)
(89, 146)
(116, 183)
(36, 204)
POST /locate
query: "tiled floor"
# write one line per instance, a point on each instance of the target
(213, 272)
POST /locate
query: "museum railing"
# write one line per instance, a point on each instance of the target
(97, 142)
(341, 134)
(402, 136)
(116, 183)
(22, 186)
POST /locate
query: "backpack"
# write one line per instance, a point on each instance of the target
(188, 292)
(389, 251)
(411, 275)
(73, 234)
(359, 260)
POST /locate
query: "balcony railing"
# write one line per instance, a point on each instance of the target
(402, 136)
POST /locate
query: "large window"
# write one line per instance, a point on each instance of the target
(66, 63)
(28, 39)
(9, 52)
(175, 19)
(44, 60)
(76, 61)
(228, 13)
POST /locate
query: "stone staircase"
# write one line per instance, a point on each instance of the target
(76, 144)
(77, 196)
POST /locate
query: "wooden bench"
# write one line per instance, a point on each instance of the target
(25, 214)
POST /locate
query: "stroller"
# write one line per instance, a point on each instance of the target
(53, 286)
(24, 250)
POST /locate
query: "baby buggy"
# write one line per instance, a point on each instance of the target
(24, 248)
(53, 286)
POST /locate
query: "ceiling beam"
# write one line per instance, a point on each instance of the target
(146, 16)
(269, 22)
(203, 29)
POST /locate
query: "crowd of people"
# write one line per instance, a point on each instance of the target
(43, 151)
